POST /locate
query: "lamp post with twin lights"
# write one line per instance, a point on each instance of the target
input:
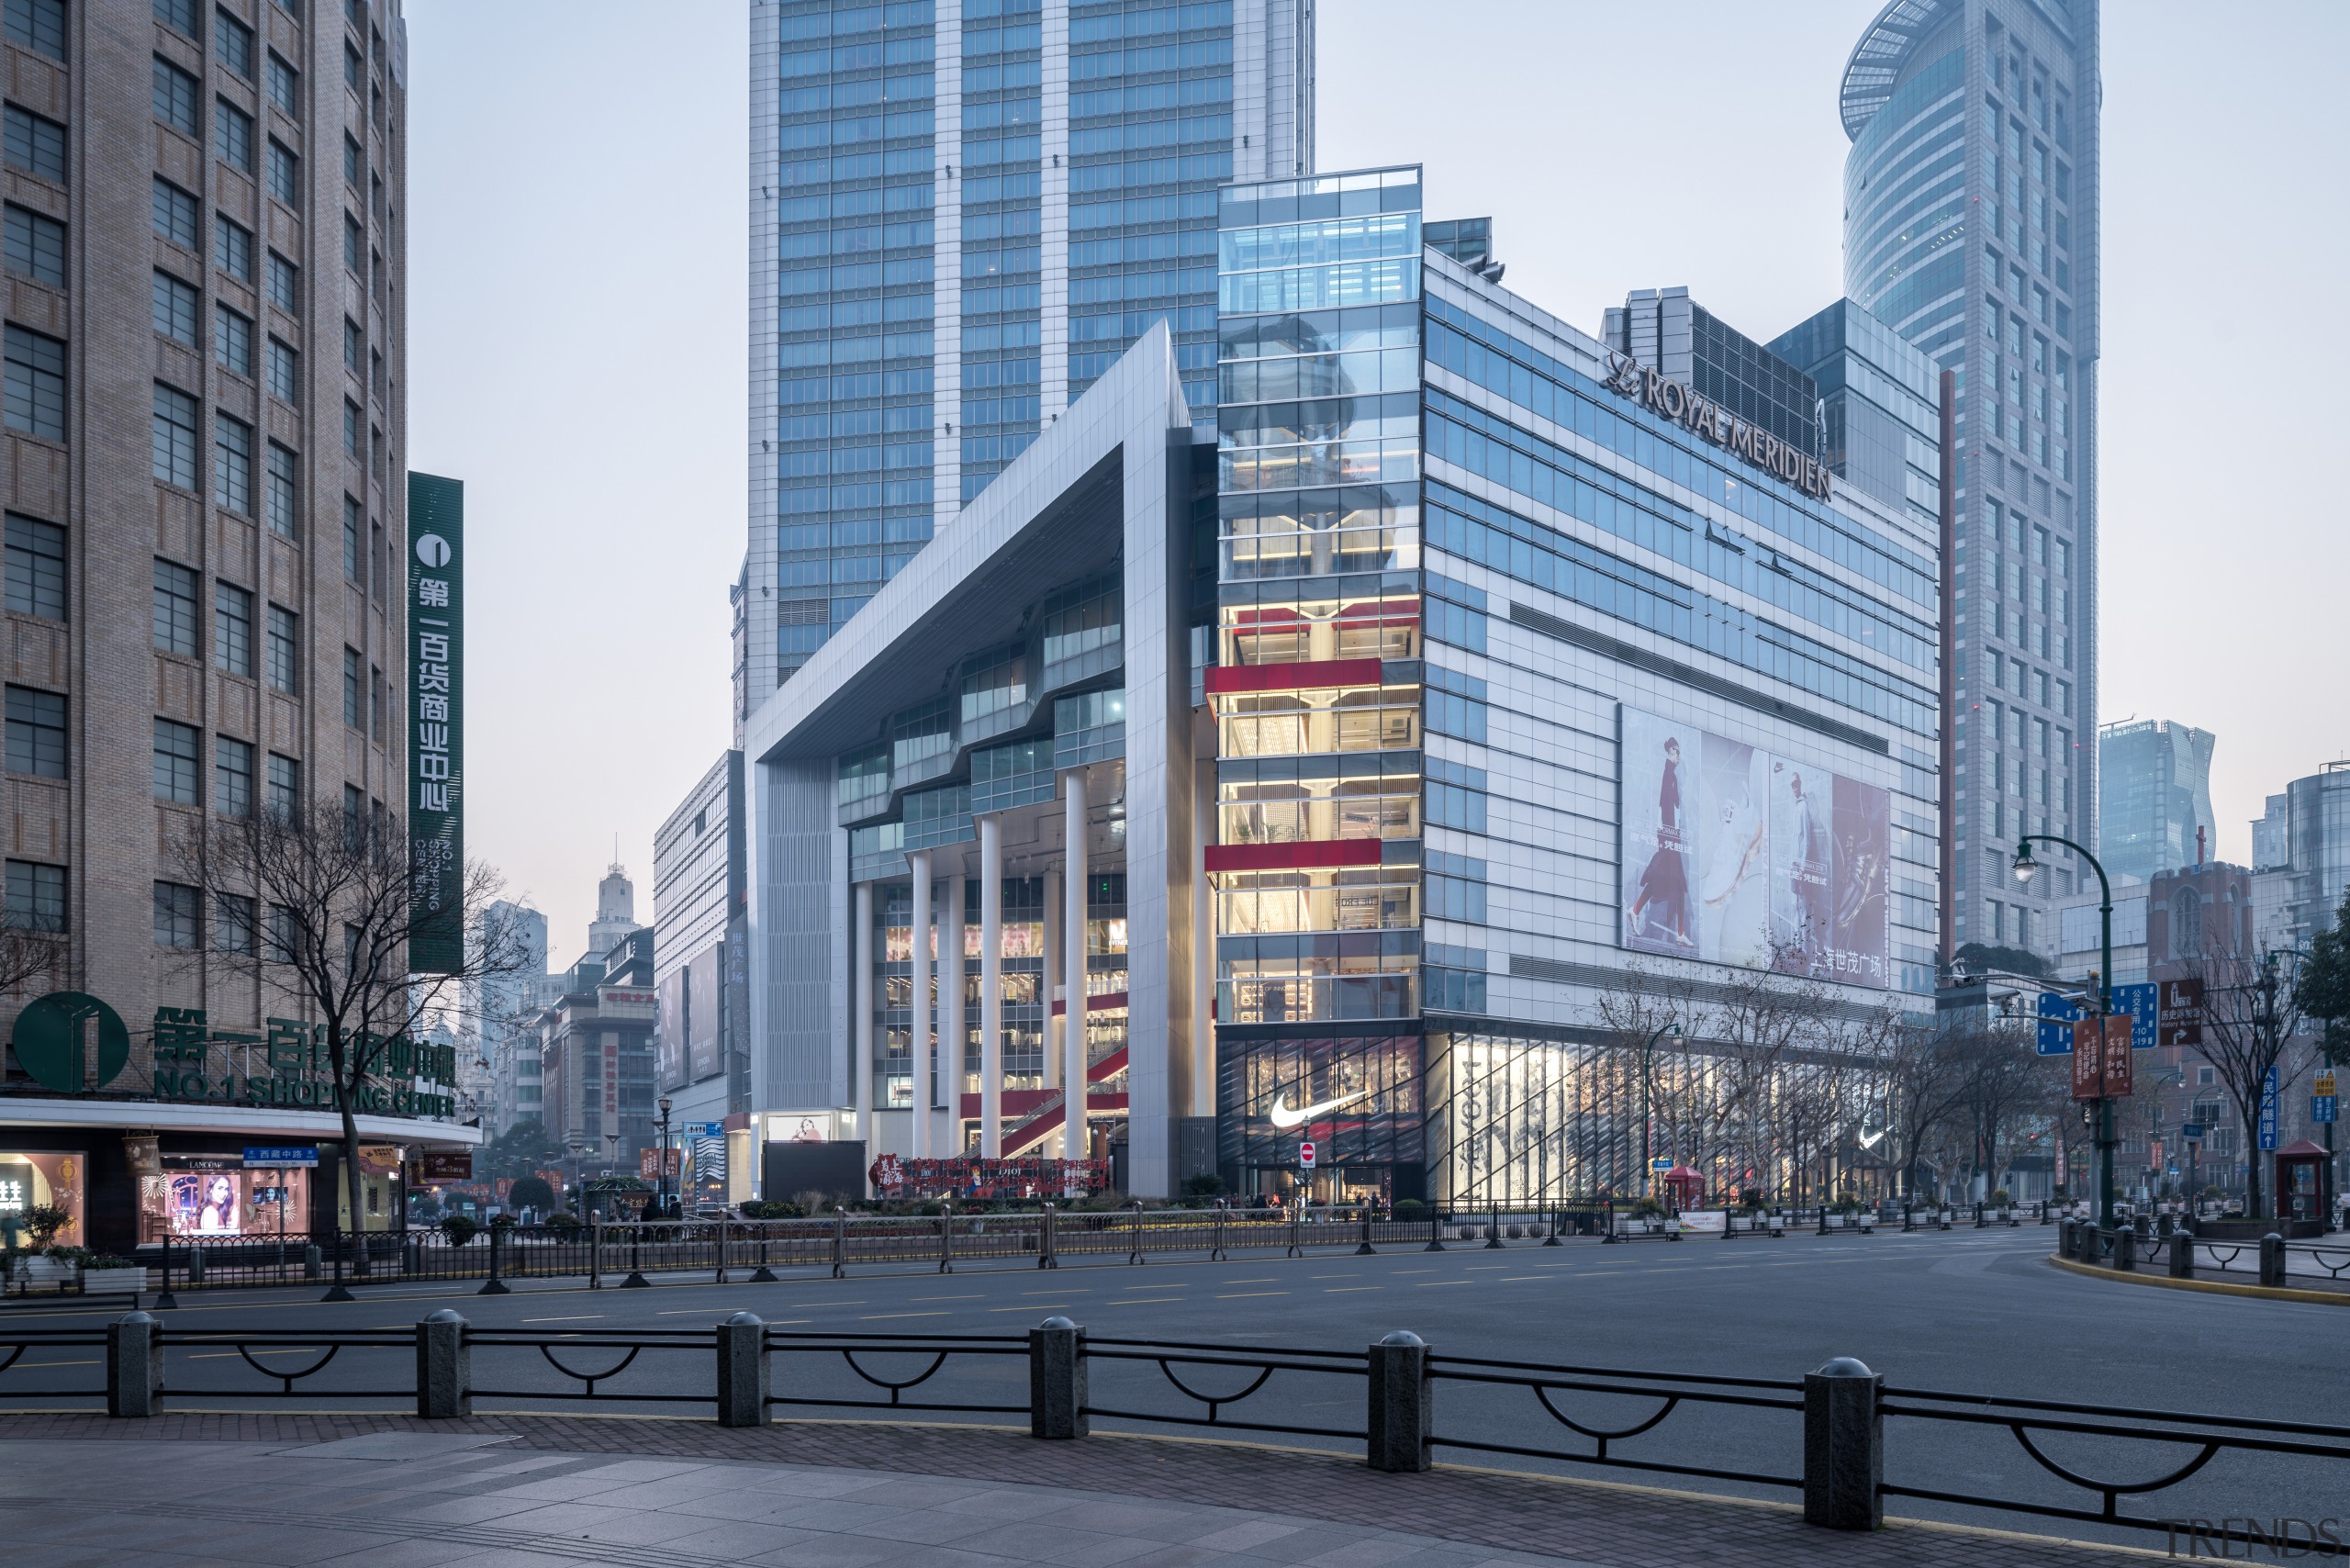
(2026, 867)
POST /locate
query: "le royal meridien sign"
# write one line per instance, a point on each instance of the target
(436, 734)
(287, 1067)
(1702, 416)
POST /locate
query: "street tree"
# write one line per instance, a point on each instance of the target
(323, 907)
(2252, 1023)
(1926, 1076)
(2321, 988)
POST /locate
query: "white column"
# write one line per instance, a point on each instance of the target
(1204, 965)
(860, 1028)
(1051, 979)
(991, 987)
(951, 1015)
(1073, 1145)
(919, 1045)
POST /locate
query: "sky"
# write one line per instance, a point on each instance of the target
(578, 192)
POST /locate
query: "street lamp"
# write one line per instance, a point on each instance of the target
(662, 1186)
(1647, 1176)
(2025, 869)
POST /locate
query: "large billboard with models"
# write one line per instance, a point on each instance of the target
(1735, 855)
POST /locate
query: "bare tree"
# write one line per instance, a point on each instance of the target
(2252, 1023)
(2000, 1084)
(325, 906)
(1926, 1080)
(27, 952)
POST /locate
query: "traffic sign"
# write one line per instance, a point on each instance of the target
(2057, 1015)
(2321, 1107)
(2180, 1015)
(2324, 1084)
(1662, 1162)
(2268, 1111)
(2191, 1131)
(703, 1129)
(2139, 1001)
(1306, 1156)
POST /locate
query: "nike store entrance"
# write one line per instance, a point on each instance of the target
(1358, 1097)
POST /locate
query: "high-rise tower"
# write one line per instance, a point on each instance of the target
(1971, 227)
(962, 212)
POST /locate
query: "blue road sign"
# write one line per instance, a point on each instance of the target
(2191, 1131)
(701, 1129)
(2321, 1107)
(2058, 1017)
(2141, 1003)
(2268, 1111)
(282, 1154)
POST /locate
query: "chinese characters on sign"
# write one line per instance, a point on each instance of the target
(299, 1072)
(2101, 1063)
(436, 525)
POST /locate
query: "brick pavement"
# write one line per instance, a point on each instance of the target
(1472, 1514)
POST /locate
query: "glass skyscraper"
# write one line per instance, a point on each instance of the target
(2155, 797)
(963, 211)
(1971, 228)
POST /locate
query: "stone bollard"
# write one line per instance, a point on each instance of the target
(2182, 1255)
(2272, 1260)
(2064, 1242)
(444, 1371)
(2125, 1249)
(743, 1378)
(134, 1365)
(313, 1262)
(1843, 1447)
(1403, 1407)
(196, 1265)
(1056, 1380)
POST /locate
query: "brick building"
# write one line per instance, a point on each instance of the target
(203, 466)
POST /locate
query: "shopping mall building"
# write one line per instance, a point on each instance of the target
(1333, 773)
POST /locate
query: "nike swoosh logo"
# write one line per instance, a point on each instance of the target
(1285, 1119)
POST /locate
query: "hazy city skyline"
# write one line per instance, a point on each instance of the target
(578, 342)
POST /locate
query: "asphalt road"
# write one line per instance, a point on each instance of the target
(1964, 1310)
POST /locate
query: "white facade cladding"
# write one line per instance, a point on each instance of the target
(962, 211)
(1031, 667)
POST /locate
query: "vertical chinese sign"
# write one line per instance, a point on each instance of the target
(436, 751)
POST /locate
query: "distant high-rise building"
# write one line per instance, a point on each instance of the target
(1971, 227)
(615, 912)
(2307, 831)
(2155, 797)
(2272, 840)
(960, 215)
(501, 1008)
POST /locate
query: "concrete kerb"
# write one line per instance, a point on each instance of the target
(2215, 1287)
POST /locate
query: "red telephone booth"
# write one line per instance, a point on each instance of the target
(1687, 1187)
(2302, 1199)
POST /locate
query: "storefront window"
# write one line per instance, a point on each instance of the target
(218, 1194)
(34, 1188)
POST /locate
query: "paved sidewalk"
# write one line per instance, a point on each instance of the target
(390, 1492)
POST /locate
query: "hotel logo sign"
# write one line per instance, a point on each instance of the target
(1702, 416)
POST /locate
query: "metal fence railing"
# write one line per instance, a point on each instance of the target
(624, 1252)
(2182, 1255)
(1838, 1435)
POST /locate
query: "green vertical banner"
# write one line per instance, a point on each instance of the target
(436, 728)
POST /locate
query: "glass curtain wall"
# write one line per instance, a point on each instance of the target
(1318, 466)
